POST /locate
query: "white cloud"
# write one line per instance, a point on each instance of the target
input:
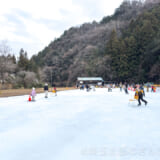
(32, 24)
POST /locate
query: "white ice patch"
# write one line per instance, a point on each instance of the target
(80, 125)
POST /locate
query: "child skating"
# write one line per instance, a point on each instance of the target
(54, 89)
(33, 94)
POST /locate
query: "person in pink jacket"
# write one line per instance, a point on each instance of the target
(33, 94)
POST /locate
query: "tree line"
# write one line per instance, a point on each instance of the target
(17, 72)
(122, 47)
(135, 56)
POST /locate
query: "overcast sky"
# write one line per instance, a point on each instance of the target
(33, 24)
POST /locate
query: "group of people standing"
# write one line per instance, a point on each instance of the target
(46, 90)
(139, 92)
(87, 86)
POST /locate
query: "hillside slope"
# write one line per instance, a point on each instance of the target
(82, 51)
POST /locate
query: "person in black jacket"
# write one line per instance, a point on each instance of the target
(140, 97)
(126, 88)
(46, 90)
(142, 89)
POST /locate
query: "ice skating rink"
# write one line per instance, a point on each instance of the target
(80, 125)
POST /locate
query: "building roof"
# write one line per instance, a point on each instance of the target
(90, 79)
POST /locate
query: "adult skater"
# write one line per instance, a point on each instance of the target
(147, 87)
(93, 88)
(46, 90)
(140, 97)
(109, 88)
(33, 94)
(126, 88)
(120, 86)
(142, 90)
(87, 88)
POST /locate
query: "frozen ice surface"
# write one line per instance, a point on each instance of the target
(80, 125)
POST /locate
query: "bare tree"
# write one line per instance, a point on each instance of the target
(4, 48)
(47, 74)
(7, 66)
(4, 51)
(26, 79)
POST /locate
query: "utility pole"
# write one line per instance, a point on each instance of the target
(51, 77)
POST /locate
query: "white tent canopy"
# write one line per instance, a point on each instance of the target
(90, 79)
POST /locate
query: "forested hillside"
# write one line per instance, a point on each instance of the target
(121, 47)
(135, 56)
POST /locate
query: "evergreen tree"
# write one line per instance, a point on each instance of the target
(113, 51)
(23, 61)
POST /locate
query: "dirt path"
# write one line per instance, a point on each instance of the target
(18, 92)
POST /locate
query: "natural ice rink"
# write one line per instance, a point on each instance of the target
(80, 125)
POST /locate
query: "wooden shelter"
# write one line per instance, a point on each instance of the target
(90, 80)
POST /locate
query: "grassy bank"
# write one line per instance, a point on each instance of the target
(18, 92)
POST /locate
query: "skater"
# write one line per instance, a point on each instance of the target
(126, 88)
(152, 88)
(103, 84)
(33, 94)
(77, 85)
(109, 88)
(93, 88)
(87, 88)
(54, 89)
(147, 87)
(142, 90)
(46, 90)
(140, 97)
(120, 86)
(82, 87)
